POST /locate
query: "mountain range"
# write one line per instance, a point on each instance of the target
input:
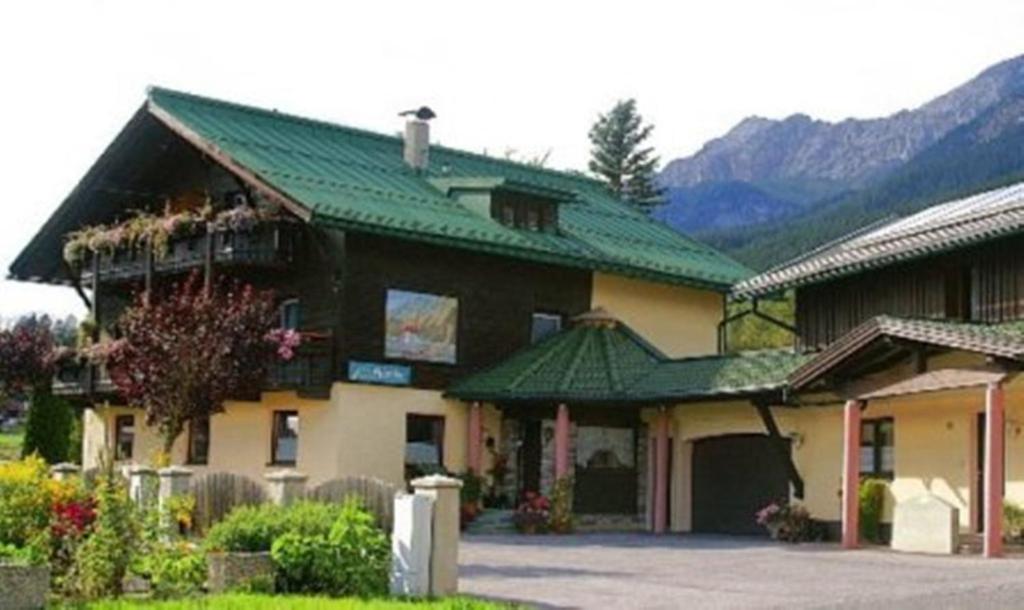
(770, 189)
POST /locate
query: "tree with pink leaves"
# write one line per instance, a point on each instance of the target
(180, 356)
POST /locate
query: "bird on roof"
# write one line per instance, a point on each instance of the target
(423, 113)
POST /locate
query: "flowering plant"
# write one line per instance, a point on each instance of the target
(532, 514)
(788, 522)
(285, 341)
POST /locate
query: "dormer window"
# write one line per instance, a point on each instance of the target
(529, 214)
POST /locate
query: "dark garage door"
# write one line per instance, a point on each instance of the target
(733, 477)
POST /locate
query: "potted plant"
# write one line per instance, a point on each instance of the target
(469, 497)
(532, 514)
(789, 522)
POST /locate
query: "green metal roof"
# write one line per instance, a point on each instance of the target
(357, 180)
(603, 360)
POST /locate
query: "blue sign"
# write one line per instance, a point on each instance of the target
(376, 372)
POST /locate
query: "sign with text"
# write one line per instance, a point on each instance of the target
(376, 372)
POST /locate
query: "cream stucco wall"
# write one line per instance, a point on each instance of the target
(935, 447)
(360, 430)
(680, 321)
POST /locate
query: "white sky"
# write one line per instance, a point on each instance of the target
(518, 74)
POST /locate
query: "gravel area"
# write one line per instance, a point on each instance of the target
(682, 571)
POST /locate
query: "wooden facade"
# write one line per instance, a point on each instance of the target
(981, 284)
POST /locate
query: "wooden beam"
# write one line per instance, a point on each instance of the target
(781, 447)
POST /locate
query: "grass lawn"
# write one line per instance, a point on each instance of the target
(10, 444)
(288, 602)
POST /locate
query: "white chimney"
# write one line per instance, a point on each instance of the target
(417, 137)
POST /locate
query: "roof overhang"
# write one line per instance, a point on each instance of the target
(886, 334)
(933, 381)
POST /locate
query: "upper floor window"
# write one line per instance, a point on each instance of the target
(124, 436)
(876, 447)
(290, 314)
(543, 325)
(285, 438)
(421, 326)
(528, 215)
(199, 440)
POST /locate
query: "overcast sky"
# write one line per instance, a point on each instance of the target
(523, 75)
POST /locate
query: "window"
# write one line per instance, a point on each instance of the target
(124, 436)
(876, 447)
(290, 314)
(285, 441)
(544, 325)
(199, 440)
(527, 214)
(424, 445)
(507, 214)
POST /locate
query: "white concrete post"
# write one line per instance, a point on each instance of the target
(174, 481)
(63, 471)
(142, 485)
(286, 486)
(444, 543)
(410, 545)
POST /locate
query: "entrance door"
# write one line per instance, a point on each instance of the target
(734, 476)
(530, 457)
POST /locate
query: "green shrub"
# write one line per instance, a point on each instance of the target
(353, 559)
(871, 496)
(27, 495)
(175, 569)
(102, 560)
(48, 428)
(254, 528)
(1013, 521)
(33, 554)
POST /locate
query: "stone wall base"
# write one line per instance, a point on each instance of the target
(229, 571)
(24, 587)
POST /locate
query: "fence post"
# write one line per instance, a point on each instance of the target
(444, 543)
(63, 471)
(142, 485)
(286, 486)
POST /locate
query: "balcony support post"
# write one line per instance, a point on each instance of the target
(94, 313)
(208, 264)
(148, 262)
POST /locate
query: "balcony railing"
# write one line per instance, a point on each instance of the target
(311, 369)
(268, 245)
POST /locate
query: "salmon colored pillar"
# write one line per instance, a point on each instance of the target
(994, 469)
(562, 442)
(851, 472)
(473, 454)
(661, 473)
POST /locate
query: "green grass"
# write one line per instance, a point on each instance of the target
(288, 602)
(10, 444)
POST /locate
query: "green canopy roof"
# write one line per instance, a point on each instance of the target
(600, 359)
(353, 179)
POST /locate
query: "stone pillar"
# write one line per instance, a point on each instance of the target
(995, 437)
(286, 486)
(174, 482)
(474, 452)
(661, 471)
(64, 471)
(444, 545)
(562, 442)
(142, 485)
(410, 546)
(851, 473)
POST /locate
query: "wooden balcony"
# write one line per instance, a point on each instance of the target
(76, 378)
(269, 245)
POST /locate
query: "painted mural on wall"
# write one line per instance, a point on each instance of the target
(421, 326)
(604, 447)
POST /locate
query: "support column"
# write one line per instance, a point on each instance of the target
(562, 442)
(661, 472)
(851, 472)
(994, 468)
(473, 453)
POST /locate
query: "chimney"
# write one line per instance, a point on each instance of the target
(417, 137)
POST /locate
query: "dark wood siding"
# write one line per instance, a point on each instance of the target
(982, 284)
(497, 297)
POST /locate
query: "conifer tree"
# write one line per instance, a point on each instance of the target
(620, 157)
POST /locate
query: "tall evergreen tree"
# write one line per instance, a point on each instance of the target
(619, 156)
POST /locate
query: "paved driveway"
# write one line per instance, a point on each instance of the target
(642, 571)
